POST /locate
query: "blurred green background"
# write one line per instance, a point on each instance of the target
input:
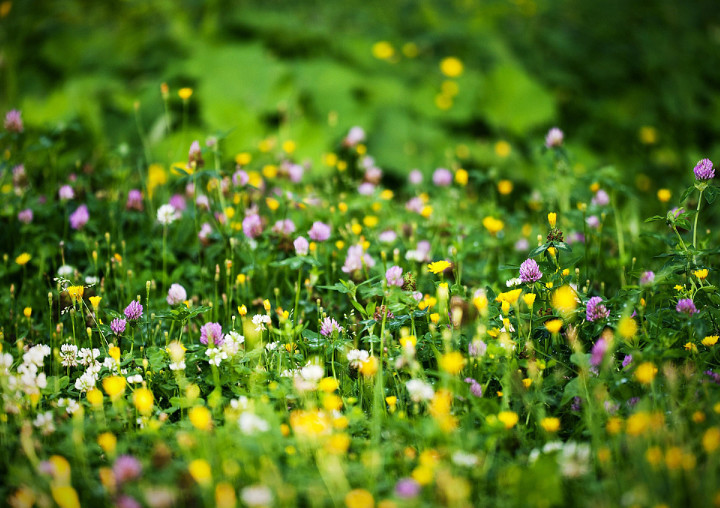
(631, 83)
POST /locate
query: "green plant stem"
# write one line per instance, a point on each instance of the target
(696, 222)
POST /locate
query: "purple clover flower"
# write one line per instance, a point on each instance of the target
(704, 170)
(647, 278)
(79, 217)
(596, 310)
(475, 387)
(25, 216)
(319, 232)
(477, 348)
(13, 121)
(601, 198)
(176, 294)
(598, 352)
(252, 225)
(126, 468)
(394, 276)
(301, 246)
(442, 177)
(530, 271)
(66, 193)
(329, 325)
(118, 326)
(134, 311)
(134, 200)
(554, 138)
(407, 488)
(627, 361)
(284, 227)
(686, 306)
(211, 333)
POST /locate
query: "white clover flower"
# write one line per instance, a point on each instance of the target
(86, 382)
(419, 390)
(232, 342)
(91, 280)
(312, 373)
(574, 459)
(272, 346)
(68, 355)
(166, 214)
(216, 355)
(87, 356)
(6, 361)
(241, 403)
(464, 459)
(70, 405)
(513, 282)
(260, 320)
(177, 365)
(357, 357)
(66, 271)
(250, 423)
(44, 422)
(137, 378)
(257, 495)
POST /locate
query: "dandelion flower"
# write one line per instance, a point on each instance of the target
(439, 266)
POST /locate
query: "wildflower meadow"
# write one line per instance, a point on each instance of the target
(193, 319)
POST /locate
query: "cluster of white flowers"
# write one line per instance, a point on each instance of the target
(513, 282)
(6, 361)
(573, 458)
(260, 320)
(257, 495)
(307, 378)
(136, 379)
(419, 390)
(44, 422)
(357, 357)
(216, 355)
(68, 355)
(272, 346)
(89, 359)
(231, 344)
(250, 423)
(28, 379)
(87, 356)
(464, 459)
(70, 405)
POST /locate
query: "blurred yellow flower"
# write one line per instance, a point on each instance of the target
(23, 259)
(529, 299)
(552, 219)
(107, 441)
(200, 417)
(502, 149)
(452, 362)
(505, 187)
(371, 221)
(711, 439)
(143, 400)
(647, 135)
(243, 158)
(114, 386)
(508, 418)
(95, 302)
(664, 195)
(95, 397)
(554, 325)
(27, 312)
(185, 93)
(289, 146)
(359, 498)
(272, 203)
(225, 495)
(645, 372)
(200, 470)
(564, 299)
(627, 327)
(383, 50)
(461, 176)
(451, 66)
(493, 225)
(65, 496)
(369, 367)
(510, 297)
(550, 424)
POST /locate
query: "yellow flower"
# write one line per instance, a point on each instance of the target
(423, 475)
(65, 496)
(95, 397)
(554, 325)
(225, 495)
(391, 400)
(426, 211)
(107, 442)
(272, 203)
(637, 423)
(552, 219)
(505, 307)
(711, 439)
(439, 266)
(451, 66)
(493, 225)
(266, 304)
(289, 146)
(435, 317)
(701, 274)
(114, 353)
(95, 301)
(452, 362)
(27, 312)
(614, 425)
(185, 93)
(242, 310)
(654, 456)
(529, 299)
(114, 386)
(480, 302)
(510, 297)
(647, 135)
(527, 382)
(200, 417)
(627, 327)
(61, 469)
(383, 50)
(564, 300)
(338, 443)
(75, 293)
(359, 498)
(710, 340)
(332, 402)
(328, 384)
(23, 259)
(408, 341)
(200, 470)
(369, 367)
(243, 158)
(664, 195)
(550, 424)
(645, 372)
(143, 400)
(508, 418)
(371, 221)
(505, 187)
(461, 176)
